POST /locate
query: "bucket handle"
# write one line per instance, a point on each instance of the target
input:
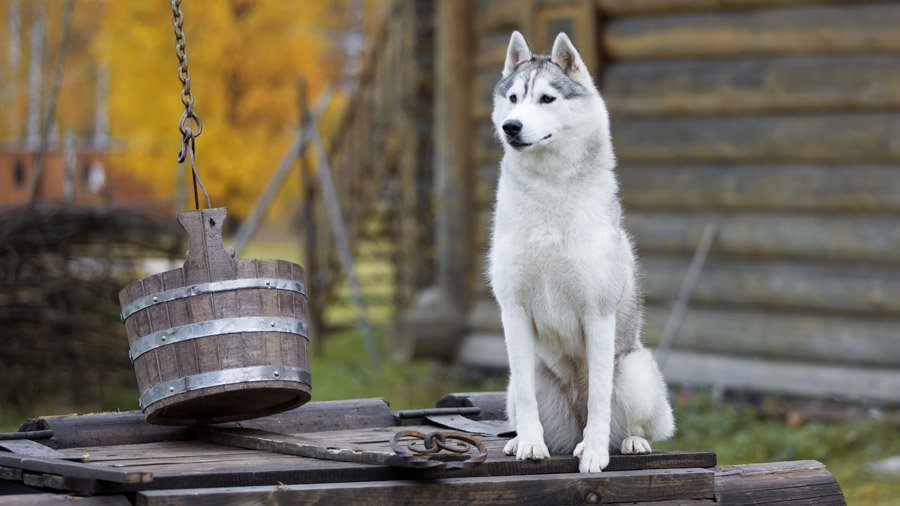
(207, 259)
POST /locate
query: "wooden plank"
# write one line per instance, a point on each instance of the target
(300, 446)
(831, 138)
(780, 335)
(813, 84)
(775, 483)
(821, 29)
(635, 7)
(771, 187)
(832, 289)
(28, 448)
(73, 469)
(858, 384)
(569, 488)
(785, 236)
(107, 429)
(50, 499)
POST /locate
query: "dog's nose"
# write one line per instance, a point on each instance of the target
(512, 127)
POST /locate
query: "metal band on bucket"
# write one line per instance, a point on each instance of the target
(190, 331)
(212, 287)
(224, 377)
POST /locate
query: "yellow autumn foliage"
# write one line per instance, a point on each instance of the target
(245, 58)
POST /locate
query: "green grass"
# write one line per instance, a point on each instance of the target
(739, 435)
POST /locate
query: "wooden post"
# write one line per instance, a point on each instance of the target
(452, 143)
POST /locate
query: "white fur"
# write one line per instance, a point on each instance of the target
(564, 274)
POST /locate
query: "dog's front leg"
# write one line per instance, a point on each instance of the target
(593, 450)
(529, 443)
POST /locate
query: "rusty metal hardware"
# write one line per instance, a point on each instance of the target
(430, 456)
(189, 125)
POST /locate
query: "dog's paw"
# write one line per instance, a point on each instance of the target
(511, 446)
(527, 448)
(635, 444)
(593, 457)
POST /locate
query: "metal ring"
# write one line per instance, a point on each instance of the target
(206, 328)
(213, 287)
(434, 442)
(177, 386)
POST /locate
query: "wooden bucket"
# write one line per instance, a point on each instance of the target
(219, 339)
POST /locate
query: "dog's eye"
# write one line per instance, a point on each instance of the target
(513, 99)
(546, 99)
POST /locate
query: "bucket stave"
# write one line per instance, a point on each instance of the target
(219, 339)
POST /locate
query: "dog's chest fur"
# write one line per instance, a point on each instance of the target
(558, 249)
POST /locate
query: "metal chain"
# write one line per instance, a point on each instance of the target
(189, 125)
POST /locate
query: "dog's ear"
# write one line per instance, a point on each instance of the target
(516, 53)
(566, 56)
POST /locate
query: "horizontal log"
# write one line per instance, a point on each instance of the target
(795, 236)
(777, 335)
(762, 187)
(797, 482)
(830, 289)
(856, 384)
(565, 488)
(822, 29)
(830, 138)
(634, 7)
(738, 332)
(751, 85)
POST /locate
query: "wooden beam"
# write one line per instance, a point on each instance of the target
(827, 138)
(799, 482)
(857, 384)
(780, 335)
(816, 29)
(451, 141)
(847, 290)
(716, 186)
(806, 237)
(635, 7)
(569, 488)
(753, 85)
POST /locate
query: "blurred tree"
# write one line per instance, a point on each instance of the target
(245, 58)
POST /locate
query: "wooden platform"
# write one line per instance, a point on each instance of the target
(119, 459)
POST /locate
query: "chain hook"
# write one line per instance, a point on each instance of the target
(189, 125)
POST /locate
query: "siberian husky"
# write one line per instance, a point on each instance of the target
(563, 270)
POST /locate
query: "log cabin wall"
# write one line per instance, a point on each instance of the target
(778, 118)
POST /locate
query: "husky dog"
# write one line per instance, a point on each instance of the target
(563, 270)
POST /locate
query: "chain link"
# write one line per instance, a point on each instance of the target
(189, 125)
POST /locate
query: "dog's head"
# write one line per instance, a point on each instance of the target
(543, 99)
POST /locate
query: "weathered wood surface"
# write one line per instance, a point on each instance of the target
(857, 384)
(804, 237)
(798, 482)
(782, 335)
(64, 499)
(766, 187)
(569, 488)
(189, 464)
(831, 138)
(830, 289)
(634, 7)
(812, 84)
(109, 429)
(821, 29)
